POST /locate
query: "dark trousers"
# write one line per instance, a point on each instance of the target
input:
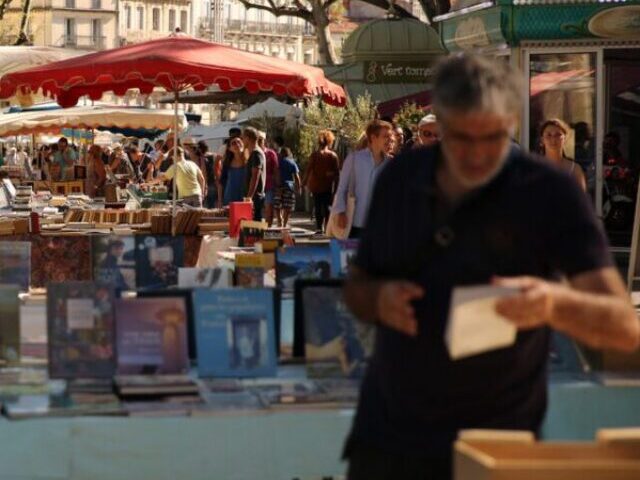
(367, 463)
(258, 207)
(321, 202)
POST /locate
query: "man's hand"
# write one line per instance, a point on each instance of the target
(341, 221)
(531, 308)
(394, 306)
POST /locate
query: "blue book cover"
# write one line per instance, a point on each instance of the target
(15, 264)
(342, 254)
(158, 259)
(113, 260)
(337, 345)
(235, 332)
(302, 263)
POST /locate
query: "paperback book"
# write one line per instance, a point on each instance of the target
(9, 324)
(302, 263)
(342, 254)
(336, 343)
(113, 260)
(251, 233)
(205, 278)
(157, 260)
(235, 331)
(80, 327)
(15, 264)
(250, 270)
(151, 336)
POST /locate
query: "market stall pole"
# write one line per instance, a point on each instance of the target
(176, 64)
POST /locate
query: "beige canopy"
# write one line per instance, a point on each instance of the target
(52, 121)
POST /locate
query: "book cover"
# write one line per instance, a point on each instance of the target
(342, 254)
(151, 336)
(80, 330)
(157, 260)
(251, 233)
(113, 260)
(302, 263)
(235, 333)
(336, 343)
(238, 211)
(9, 324)
(205, 278)
(15, 264)
(250, 270)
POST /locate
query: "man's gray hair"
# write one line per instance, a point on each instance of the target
(467, 82)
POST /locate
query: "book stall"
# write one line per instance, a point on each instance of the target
(141, 338)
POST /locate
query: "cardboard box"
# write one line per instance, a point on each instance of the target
(504, 459)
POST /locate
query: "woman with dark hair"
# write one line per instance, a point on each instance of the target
(234, 174)
(553, 137)
(321, 177)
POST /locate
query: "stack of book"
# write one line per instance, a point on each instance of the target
(22, 200)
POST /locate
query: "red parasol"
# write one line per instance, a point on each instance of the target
(175, 64)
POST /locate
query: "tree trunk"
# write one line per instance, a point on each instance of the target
(23, 38)
(326, 52)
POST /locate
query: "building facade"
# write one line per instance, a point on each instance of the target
(142, 20)
(76, 24)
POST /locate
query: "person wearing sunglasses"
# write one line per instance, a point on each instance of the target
(428, 131)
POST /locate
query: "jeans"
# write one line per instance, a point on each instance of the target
(322, 202)
(258, 206)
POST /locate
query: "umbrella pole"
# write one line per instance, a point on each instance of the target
(175, 160)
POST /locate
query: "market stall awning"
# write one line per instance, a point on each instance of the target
(14, 58)
(269, 108)
(391, 107)
(176, 64)
(90, 117)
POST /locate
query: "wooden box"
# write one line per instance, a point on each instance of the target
(525, 459)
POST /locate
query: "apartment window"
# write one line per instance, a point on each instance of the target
(70, 3)
(96, 32)
(96, 4)
(291, 56)
(127, 17)
(308, 58)
(172, 20)
(156, 19)
(183, 21)
(70, 31)
(140, 18)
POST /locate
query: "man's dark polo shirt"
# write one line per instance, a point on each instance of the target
(532, 219)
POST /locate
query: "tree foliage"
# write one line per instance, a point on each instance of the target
(409, 115)
(348, 124)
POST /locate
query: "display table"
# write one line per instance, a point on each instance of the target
(251, 446)
(63, 258)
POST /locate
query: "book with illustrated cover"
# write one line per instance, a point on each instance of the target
(235, 332)
(15, 264)
(251, 233)
(302, 263)
(9, 324)
(336, 344)
(205, 278)
(113, 260)
(250, 269)
(151, 336)
(342, 254)
(80, 325)
(157, 260)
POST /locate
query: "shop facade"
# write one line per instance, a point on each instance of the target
(581, 62)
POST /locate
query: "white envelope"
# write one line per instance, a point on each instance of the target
(474, 326)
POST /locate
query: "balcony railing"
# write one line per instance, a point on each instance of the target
(88, 42)
(268, 28)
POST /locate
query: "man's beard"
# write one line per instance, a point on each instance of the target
(470, 183)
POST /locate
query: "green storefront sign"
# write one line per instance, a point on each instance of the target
(396, 72)
(509, 23)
